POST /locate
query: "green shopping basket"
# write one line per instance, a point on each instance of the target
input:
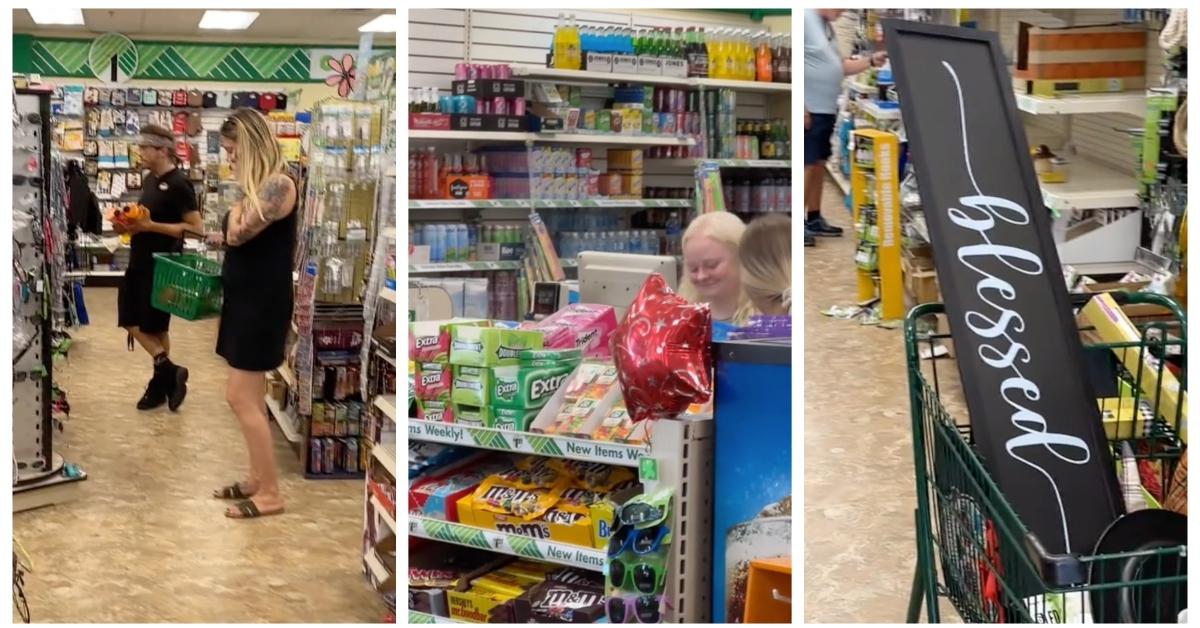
(186, 285)
(992, 568)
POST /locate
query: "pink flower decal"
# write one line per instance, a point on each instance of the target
(343, 76)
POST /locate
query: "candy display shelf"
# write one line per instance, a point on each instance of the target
(387, 405)
(383, 514)
(551, 204)
(285, 420)
(385, 453)
(1091, 185)
(463, 267)
(554, 138)
(417, 617)
(524, 442)
(588, 558)
(1131, 103)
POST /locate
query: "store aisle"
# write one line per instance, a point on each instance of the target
(859, 493)
(147, 542)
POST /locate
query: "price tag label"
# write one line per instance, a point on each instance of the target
(613, 203)
(444, 204)
(648, 470)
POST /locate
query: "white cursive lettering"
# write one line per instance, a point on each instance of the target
(980, 215)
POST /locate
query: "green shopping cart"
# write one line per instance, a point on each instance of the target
(992, 568)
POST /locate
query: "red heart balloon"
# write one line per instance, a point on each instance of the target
(662, 352)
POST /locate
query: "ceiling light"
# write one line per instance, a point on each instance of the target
(385, 23)
(228, 20)
(67, 17)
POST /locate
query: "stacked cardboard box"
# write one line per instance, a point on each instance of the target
(1079, 59)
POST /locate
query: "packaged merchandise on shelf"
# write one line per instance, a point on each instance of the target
(429, 341)
(580, 326)
(435, 494)
(490, 346)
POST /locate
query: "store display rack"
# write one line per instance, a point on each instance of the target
(514, 203)
(679, 456)
(41, 476)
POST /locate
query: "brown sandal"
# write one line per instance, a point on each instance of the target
(233, 491)
(250, 510)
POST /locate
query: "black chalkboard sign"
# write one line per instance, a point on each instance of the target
(1033, 411)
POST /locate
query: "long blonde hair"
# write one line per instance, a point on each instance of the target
(258, 156)
(727, 229)
(766, 259)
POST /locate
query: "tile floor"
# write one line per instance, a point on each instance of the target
(859, 493)
(146, 542)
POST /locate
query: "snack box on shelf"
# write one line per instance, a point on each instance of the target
(489, 88)
(488, 122)
(499, 252)
(436, 494)
(590, 532)
(579, 406)
(490, 346)
(429, 557)
(429, 121)
(429, 341)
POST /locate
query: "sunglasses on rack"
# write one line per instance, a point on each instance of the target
(644, 608)
(637, 513)
(643, 576)
(640, 542)
(20, 179)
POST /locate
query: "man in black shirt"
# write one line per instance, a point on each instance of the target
(169, 196)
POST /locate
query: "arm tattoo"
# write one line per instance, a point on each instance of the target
(272, 205)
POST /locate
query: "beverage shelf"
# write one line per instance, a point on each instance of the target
(586, 77)
(552, 138)
(549, 204)
(464, 267)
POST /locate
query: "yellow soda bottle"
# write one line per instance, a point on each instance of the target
(712, 49)
(574, 56)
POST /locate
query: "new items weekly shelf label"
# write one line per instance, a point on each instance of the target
(524, 442)
(504, 543)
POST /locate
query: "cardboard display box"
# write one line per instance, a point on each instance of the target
(592, 532)
(1080, 52)
(1050, 87)
(921, 284)
(1112, 325)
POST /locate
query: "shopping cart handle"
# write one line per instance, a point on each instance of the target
(1080, 299)
(1056, 570)
(195, 234)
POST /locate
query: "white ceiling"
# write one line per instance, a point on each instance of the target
(309, 26)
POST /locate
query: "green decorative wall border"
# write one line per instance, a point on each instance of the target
(186, 61)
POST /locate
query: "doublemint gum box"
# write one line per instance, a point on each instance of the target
(472, 415)
(550, 355)
(471, 385)
(429, 341)
(490, 346)
(510, 419)
(527, 387)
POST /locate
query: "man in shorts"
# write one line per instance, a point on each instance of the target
(824, 70)
(169, 196)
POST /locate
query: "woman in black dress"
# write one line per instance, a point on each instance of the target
(260, 236)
